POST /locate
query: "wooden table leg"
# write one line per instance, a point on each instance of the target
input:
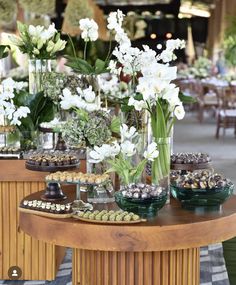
(179, 267)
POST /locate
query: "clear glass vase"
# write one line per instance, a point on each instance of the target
(37, 67)
(29, 140)
(161, 165)
(103, 193)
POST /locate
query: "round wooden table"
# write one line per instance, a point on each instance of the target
(161, 251)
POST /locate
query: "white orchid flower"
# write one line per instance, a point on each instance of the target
(175, 44)
(68, 100)
(89, 95)
(151, 153)
(115, 20)
(89, 29)
(167, 56)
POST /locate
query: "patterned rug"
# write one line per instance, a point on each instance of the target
(213, 270)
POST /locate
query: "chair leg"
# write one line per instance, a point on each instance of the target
(200, 114)
(218, 128)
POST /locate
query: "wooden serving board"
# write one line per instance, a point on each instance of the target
(45, 214)
(109, 222)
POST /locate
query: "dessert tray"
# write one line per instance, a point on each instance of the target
(78, 210)
(52, 162)
(190, 161)
(77, 178)
(109, 217)
(7, 152)
(46, 209)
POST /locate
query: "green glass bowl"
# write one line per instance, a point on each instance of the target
(202, 197)
(143, 207)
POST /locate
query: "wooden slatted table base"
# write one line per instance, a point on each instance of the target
(178, 267)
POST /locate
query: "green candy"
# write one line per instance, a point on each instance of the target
(105, 217)
(112, 217)
(119, 218)
(92, 216)
(86, 214)
(135, 217)
(127, 218)
(98, 217)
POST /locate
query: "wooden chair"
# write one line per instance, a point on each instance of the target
(208, 99)
(226, 117)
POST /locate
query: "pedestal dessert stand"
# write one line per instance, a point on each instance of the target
(53, 191)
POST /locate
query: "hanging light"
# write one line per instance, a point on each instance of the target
(153, 36)
(168, 35)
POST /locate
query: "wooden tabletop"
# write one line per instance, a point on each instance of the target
(173, 228)
(14, 170)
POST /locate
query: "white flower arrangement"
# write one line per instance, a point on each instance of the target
(85, 99)
(120, 155)
(111, 88)
(8, 90)
(37, 41)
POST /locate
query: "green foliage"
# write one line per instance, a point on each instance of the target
(88, 129)
(230, 41)
(125, 170)
(41, 108)
(83, 67)
(230, 49)
(186, 99)
(115, 125)
(4, 51)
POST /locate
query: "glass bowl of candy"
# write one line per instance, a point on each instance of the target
(142, 199)
(201, 189)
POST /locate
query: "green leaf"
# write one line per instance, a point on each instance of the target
(115, 125)
(4, 51)
(100, 66)
(137, 172)
(186, 99)
(80, 65)
(41, 108)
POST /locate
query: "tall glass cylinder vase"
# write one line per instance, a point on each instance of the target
(37, 67)
(161, 165)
